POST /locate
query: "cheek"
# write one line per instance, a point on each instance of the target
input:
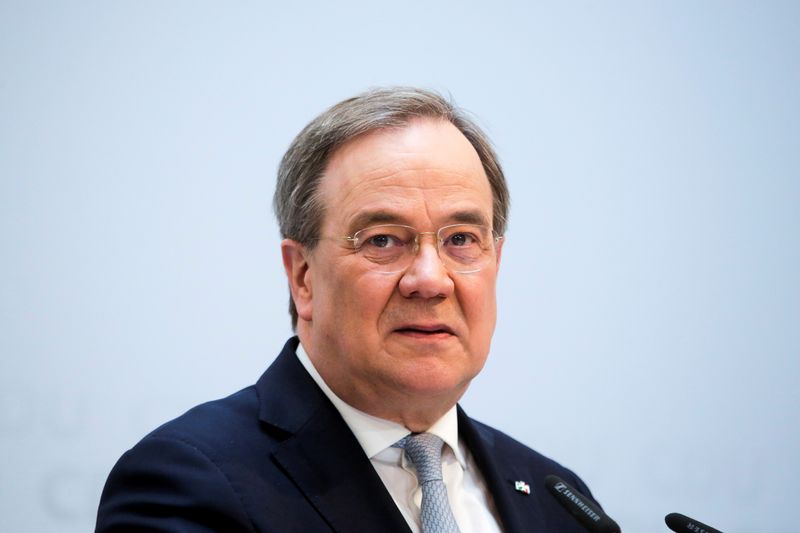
(478, 291)
(479, 307)
(354, 298)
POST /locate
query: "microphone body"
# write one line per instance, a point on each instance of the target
(586, 511)
(683, 524)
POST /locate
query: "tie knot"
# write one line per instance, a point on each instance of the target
(425, 451)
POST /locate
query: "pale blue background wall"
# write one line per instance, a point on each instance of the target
(648, 332)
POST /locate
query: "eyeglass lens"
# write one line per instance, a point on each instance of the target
(392, 248)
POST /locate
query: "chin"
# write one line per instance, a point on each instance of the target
(433, 377)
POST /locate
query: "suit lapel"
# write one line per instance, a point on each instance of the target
(320, 454)
(325, 462)
(518, 511)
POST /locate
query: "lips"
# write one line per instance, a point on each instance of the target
(425, 329)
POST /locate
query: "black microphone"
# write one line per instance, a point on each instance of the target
(581, 507)
(680, 524)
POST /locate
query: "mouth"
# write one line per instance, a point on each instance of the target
(425, 331)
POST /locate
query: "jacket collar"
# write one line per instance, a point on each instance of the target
(319, 453)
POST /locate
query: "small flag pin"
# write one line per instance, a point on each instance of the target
(522, 487)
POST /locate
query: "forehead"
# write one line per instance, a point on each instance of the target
(424, 173)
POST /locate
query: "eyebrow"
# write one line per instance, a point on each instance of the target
(470, 217)
(374, 218)
(367, 219)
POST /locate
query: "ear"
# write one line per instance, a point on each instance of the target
(295, 262)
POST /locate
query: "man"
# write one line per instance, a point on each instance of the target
(392, 206)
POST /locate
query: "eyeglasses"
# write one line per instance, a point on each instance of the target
(391, 248)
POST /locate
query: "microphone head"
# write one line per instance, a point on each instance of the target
(683, 524)
(583, 508)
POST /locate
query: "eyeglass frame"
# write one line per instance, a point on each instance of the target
(353, 239)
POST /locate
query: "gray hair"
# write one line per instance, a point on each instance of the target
(297, 201)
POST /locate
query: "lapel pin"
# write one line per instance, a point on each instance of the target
(522, 487)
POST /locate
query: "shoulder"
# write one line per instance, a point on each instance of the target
(212, 425)
(189, 466)
(522, 459)
(504, 442)
(227, 433)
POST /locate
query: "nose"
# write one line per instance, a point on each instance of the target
(427, 276)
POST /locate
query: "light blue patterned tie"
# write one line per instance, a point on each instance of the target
(425, 451)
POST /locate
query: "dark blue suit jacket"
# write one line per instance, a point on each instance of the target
(278, 457)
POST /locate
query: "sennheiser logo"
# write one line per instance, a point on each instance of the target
(695, 528)
(562, 488)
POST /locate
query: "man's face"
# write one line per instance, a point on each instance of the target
(420, 333)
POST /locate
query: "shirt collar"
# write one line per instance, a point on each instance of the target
(376, 434)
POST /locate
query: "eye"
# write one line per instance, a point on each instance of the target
(382, 241)
(462, 239)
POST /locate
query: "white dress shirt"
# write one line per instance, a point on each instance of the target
(469, 498)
